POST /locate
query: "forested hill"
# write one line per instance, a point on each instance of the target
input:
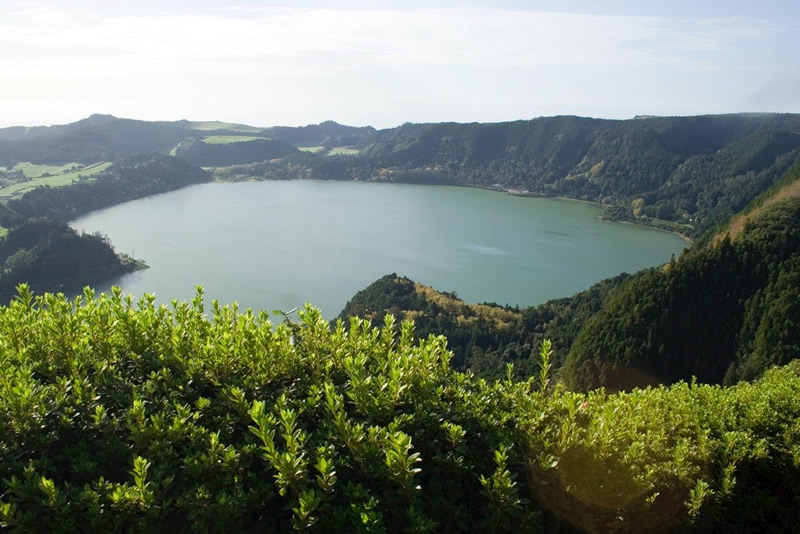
(129, 178)
(96, 138)
(51, 256)
(720, 313)
(254, 150)
(327, 133)
(686, 174)
(105, 138)
(695, 171)
(43, 251)
(680, 173)
(788, 186)
(483, 337)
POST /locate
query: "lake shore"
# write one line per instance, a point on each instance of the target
(498, 188)
(283, 243)
(688, 240)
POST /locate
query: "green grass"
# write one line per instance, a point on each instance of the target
(3, 231)
(216, 125)
(59, 180)
(312, 149)
(228, 139)
(174, 150)
(344, 151)
(34, 170)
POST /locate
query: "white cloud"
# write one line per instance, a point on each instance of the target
(53, 53)
(468, 36)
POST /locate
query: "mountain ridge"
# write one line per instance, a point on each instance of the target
(684, 174)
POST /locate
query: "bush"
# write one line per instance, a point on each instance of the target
(116, 416)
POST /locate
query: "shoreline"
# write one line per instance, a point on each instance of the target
(591, 215)
(494, 188)
(687, 240)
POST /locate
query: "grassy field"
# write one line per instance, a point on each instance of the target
(312, 149)
(344, 151)
(215, 125)
(228, 139)
(53, 181)
(174, 150)
(34, 170)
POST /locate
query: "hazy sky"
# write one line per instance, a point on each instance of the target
(385, 63)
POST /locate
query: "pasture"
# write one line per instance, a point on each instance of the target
(344, 151)
(35, 170)
(57, 180)
(228, 139)
(216, 125)
(311, 149)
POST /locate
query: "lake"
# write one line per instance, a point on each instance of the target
(275, 245)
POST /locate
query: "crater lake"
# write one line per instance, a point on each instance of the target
(278, 244)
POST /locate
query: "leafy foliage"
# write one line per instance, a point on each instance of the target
(121, 417)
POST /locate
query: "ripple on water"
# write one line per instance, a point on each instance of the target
(485, 250)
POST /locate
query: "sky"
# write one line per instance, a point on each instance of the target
(375, 63)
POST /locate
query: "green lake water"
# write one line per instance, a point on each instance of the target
(276, 245)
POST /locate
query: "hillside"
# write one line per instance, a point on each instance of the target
(119, 417)
(484, 338)
(41, 250)
(326, 134)
(97, 138)
(720, 313)
(686, 174)
(51, 256)
(205, 154)
(787, 187)
(129, 178)
(107, 138)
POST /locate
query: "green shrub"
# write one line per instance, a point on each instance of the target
(118, 416)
